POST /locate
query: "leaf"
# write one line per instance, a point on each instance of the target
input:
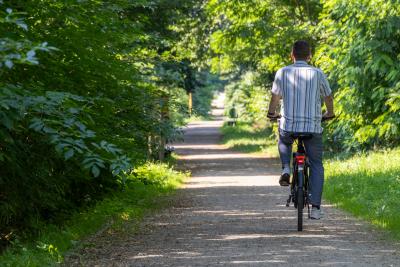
(32, 61)
(6, 120)
(69, 154)
(59, 147)
(49, 130)
(90, 133)
(69, 122)
(9, 64)
(5, 106)
(22, 25)
(100, 164)
(73, 110)
(6, 137)
(31, 54)
(79, 143)
(36, 124)
(81, 126)
(387, 59)
(95, 171)
(96, 145)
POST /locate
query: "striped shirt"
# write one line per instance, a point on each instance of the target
(301, 87)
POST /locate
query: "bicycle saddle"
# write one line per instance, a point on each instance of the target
(303, 136)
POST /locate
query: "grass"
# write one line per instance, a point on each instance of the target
(366, 185)
(245, 138)
(197, 118)
(144, 186)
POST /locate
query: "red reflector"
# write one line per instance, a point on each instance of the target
(300, 159)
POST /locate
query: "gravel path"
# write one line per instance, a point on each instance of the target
(231, 213)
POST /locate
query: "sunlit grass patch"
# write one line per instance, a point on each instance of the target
(144, 186)
(368, 186)
(246, 138)
(197, 118)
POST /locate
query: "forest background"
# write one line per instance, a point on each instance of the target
(92, 90)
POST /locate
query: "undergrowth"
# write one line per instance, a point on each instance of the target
(144, 185)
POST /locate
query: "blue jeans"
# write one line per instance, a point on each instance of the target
(314, 150)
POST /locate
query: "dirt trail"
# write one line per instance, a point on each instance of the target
(232, 213)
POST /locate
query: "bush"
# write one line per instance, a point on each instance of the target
(83, 101)
(362, 60)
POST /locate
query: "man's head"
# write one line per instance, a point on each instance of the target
(301, 51)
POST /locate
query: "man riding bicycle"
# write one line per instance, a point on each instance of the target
(301, 88)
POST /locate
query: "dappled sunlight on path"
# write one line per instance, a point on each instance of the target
(232, 213)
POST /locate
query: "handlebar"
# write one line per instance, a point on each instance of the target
(275, 118)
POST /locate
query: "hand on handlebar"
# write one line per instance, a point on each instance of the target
(328, 116)
(274, 116)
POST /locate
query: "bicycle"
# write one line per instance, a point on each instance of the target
(300, 185)
(300, 182)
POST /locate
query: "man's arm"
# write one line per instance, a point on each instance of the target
(273, 104)
(329, 107)
(275, 95)
(326, 92)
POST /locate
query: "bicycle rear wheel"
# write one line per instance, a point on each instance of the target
(300, 200)
(300, 207)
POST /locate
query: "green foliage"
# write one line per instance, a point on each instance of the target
(51, 126)
(16, 50)
(258, 34)
(114, 212)
(360, 52)
(88, 91)
(367, 186)
(60, 118)
(355, 43)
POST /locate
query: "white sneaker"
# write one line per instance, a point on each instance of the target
(315, 213)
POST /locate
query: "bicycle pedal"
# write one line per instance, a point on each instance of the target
(288, 201)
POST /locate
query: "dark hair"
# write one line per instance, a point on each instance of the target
(301, 49)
